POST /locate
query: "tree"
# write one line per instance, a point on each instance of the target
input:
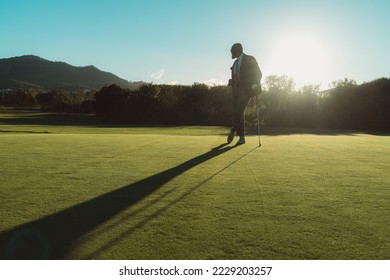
(22, 99)
(55, 101)
(304, 107)
(343, 83)
(111, 102)
(276, 99)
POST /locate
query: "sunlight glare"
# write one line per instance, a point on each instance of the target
(302, 57)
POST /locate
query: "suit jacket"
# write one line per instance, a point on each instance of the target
(249, 75)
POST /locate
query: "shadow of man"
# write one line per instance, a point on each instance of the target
(51, 236)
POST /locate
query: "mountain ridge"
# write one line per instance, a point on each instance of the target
(35, 71)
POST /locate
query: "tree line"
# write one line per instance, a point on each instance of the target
(345, 106)
(52, 100)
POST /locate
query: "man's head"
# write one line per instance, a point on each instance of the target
(236, 50)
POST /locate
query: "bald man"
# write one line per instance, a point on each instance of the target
(245, 82)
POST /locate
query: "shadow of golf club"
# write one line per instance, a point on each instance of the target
(51, 236)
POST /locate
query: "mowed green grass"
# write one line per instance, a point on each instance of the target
(299, 196)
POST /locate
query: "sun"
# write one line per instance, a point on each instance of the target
(303, 57)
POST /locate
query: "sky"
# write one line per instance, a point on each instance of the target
(186, 42)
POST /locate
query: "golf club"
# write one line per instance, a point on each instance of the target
(258, 119)
(256, 87)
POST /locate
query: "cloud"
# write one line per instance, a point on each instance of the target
(214, 82)
(158, 75)
(174, 83)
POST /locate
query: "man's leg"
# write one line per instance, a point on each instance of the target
(231, 135)
(233, 128)
(239, 120)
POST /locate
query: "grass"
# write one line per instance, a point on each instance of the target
(75, 188)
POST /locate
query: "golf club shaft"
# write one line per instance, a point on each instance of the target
(258, 118)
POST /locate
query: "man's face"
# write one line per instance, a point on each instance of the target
(235, 52)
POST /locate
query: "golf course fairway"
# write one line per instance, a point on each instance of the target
(71, 188)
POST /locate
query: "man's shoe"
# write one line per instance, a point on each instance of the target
(241, 141)
(230, 136)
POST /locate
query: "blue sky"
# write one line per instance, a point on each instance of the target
(184, 42)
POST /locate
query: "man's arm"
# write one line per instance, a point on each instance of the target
(250, 72)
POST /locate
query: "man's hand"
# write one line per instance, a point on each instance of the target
(256, 88)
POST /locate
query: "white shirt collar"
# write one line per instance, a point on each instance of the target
(240, 57)
(237, 65)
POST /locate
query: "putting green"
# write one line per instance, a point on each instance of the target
(107, 192)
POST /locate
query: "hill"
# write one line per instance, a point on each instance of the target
(33, 71)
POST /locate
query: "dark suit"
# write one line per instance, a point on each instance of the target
(249, 74)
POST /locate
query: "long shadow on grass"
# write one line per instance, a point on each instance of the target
(156, 213)
(51, 236)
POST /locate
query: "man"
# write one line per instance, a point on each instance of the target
(245, 82)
